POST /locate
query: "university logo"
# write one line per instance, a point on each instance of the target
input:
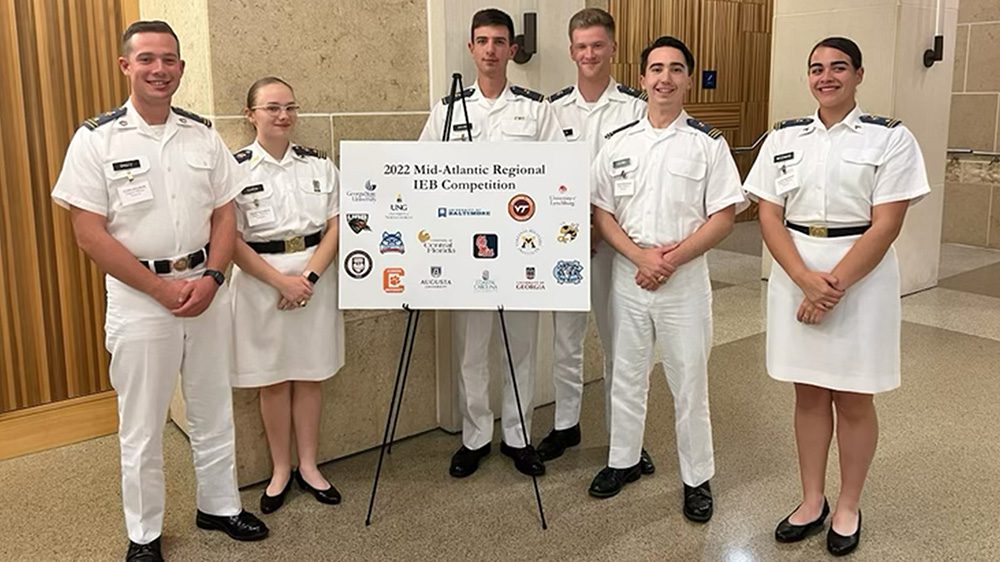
(435, 245)
(366, 196)
(445, 212)
(529, 242)
(485, 246)
(369, 186)
(568, 271)
(521, 207)
(529, 272)
(436, 281)
(484, 284)
(563, 198)
(398, 209)
(358, 222)
(530, 283)
(568, 232)
(358, 264)
(435, 271)
(392, 242)
(392, 279)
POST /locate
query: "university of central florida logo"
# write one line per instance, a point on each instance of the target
(521, 207)
(485, 246)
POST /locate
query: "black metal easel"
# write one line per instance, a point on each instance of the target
(413, 318)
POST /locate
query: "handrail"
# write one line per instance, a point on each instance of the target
(955, 152)
(752, 147)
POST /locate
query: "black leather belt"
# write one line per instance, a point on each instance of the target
(823, 231)
(296, 244)
(183, 263)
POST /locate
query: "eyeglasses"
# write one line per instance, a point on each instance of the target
(274, 109)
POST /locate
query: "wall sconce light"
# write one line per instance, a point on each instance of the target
(527, 42)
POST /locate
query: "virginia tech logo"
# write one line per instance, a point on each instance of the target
(392, 279)
(521, 207)
(358, 264)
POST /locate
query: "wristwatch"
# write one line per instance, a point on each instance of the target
(313, 277)
(216, 276)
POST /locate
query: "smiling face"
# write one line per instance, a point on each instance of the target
(666, 79)
(833, 80)
(591, 48)
(491, 49)
(274, 112)
(153, 66)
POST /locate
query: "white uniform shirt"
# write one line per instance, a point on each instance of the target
(281, 200)
(661, 185)
(580, 122)
(517, 115)
(157, 194)
(834, 176)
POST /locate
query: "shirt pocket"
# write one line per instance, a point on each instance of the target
(687, 179)
(121, 174)
(315, 186)
(519, 129)
(858, 167)
(198, 184)
(788, 170)
(256, 204)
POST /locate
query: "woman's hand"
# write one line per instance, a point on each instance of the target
(295, 291)
(820, 288)
(809, 313)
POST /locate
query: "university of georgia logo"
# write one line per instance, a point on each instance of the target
(568, 271)
(521, 207)
(358, 264)
(529, 242)
(392, 242)
(358, 222)
(485, 246)
(530, 283)
(568, 232)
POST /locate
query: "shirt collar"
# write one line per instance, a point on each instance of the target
(609, 94)
(678, 124)
(260, 155)
(851, 121)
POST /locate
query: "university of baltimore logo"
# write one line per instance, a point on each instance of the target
(392, 242)
(392, 279)
(568, 271)
(485, 246)
(358, 264)
(521, 207)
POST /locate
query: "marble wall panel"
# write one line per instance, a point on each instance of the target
(978, 11)
(973, 121)
(984, 58)
(367, 55)
(189, 19)
(961, 47)
(994, 225)
(966, 213)
(376, 127)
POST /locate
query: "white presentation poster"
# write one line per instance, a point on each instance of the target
(434, 225)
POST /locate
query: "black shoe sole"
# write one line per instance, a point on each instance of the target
(801, 537)
(210, 526)
(698, 518)
(611, 494)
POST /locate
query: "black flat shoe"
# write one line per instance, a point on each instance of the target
(557, 441)
(242, 527)
(789, 532)
(698, 502)
(839, 545)
(149, 552)
(609, 481)
(270, 504)
(526, 459)
(646, 463)
(328, 496)
(465, 461)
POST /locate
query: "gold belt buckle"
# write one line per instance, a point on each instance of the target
(180, 264)
(818, 231)
(296, 244)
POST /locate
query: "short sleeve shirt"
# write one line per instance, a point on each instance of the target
(295, 196)
(156, 192)
(517, 115)
(834, 176)
(662, 185)
(590, 123)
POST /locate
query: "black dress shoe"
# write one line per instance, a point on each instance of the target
(646, 463)
(465, 461)
(328, 496)
(270, 504)
(557, 441)
(839, 545)
(526, 459)
(149, 552)
(609, 481)
(789, 532)
(243, 527)
(698, 502)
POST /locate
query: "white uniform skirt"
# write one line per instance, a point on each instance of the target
(856, 346)
(273, 346)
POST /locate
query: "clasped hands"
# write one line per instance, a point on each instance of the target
(654, 266)
(295, 291)
(822, 292)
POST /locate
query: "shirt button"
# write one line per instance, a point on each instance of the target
(168, 168)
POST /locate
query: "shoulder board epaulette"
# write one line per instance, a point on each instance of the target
(306, 151)
(632, 92)
(620, 129)
(800, 122)
(704, 127)
(561, 93)
(243, 155)
(519, 91)
(98, 120)
(463, 94)
(192, 116)
(878, 120)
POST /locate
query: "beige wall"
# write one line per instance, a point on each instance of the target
(972, 191)
(893, 35)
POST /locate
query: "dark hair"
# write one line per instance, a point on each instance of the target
(153, 26)
(590, 17)
(666, 41)
(842, 44)
(265, 81)
(492, 16)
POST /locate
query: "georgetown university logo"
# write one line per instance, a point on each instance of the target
(567, 271)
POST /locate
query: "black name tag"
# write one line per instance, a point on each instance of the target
(462, 127)
(621, 163)
(784, 157)
(251, 189)
(568, 132)
(125, 165)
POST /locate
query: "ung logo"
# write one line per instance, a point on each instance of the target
(358, 264)
(568, 272)
(392, 279)
(568, 232)
(521, 207)
(392, 242)
(485, 246)
(399, 205)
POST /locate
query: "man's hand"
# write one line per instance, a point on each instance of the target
(172, 293)
(203, 290)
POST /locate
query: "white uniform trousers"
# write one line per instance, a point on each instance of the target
(148, 347)
(569, 333)
(678, 318)
(473, 331)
